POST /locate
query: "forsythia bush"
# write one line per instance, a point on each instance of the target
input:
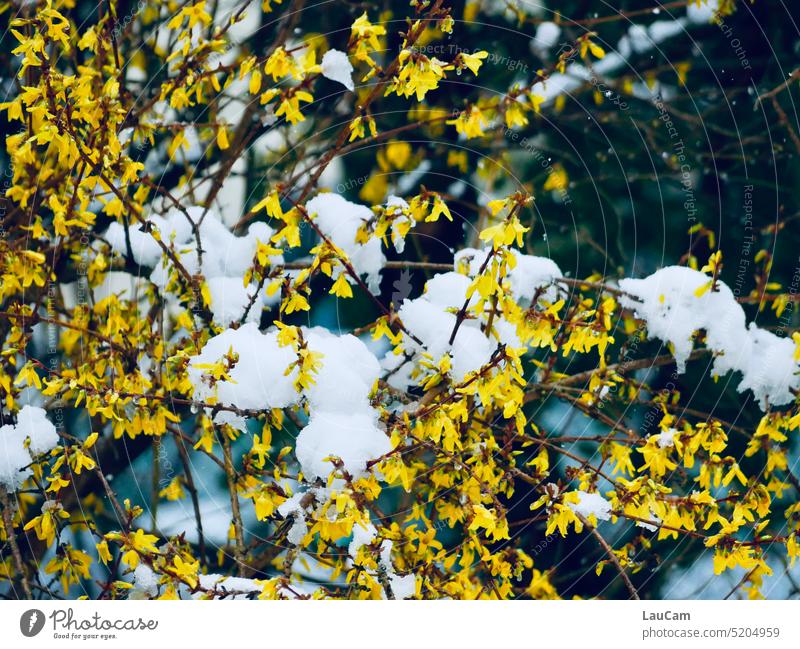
(232, 367)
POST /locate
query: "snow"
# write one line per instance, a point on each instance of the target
(662, 30)
(257, 380)
(337, 67)
(471, 350)
(431, 318)
(770, 370)
(339, 220)
(447, 290)
(13, 457)
(144, 247)
(354, 437)
(177, 517)
(32, 423)
(547, 35)
(639, 39)
(592, 504)
(402, 587)
(671, 309)
(291, 508)
(362, 535)
(433, 325)
(399, 370)
(507, 333)
(145, 582)
(347, 374)
(342, 422)
(229, 299)
(223, 583)
(703, 13)
(400, 209)
(666, 438)
(396, 201)
(225, 257)
(530, 274)
(668, 302)
(653, 525)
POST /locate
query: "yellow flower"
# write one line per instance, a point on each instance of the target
(174, 490)
(439, 208)
(357, 127)
(366, 38)
(487, 519)
(290, 105)
(621, 455)
(137, 543)
(563, 516)
(515, 114)
(186, 570)
(504, 234)
(656, 458)
(45, 524)
(266, 5)
(280, 64)
(72, 566)
(195, 13)
(57, 483)
(472, 61)
(341, 287)
(103, 552)
(295, 302)
(417, 76)
(557, 179)
(469, 122)
(586, 44)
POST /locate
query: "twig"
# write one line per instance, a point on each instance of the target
(8, 523)
(613, 557)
